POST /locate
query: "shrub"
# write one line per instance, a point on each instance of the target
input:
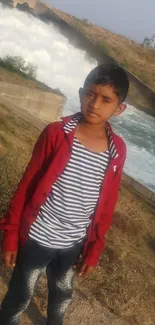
(18, 64)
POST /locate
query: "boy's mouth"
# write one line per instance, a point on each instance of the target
(91, 113)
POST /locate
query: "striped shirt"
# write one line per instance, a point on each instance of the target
(64, 217)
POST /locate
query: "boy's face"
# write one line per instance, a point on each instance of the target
(99, 103)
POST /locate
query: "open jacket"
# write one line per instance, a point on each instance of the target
(51, 153)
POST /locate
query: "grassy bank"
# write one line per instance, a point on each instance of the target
(133, 56)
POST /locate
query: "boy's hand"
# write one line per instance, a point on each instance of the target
(9, 258)
(84, 269)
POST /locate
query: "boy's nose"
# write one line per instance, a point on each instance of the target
(95, 103)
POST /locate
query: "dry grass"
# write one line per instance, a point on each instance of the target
(133, 56)
(17, 138)
(124, 282)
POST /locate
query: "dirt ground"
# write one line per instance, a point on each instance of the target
(121, 291)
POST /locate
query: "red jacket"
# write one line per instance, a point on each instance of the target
(51, 153)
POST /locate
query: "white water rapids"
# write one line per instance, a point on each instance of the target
(60, 65)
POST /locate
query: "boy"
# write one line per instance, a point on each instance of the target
(65, 201)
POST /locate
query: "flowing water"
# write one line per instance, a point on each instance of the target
(60, 65)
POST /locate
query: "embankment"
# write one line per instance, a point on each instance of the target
(140, 95)
(33, 104)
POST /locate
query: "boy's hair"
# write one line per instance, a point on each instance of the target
(110, 74)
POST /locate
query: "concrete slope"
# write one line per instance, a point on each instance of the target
(25, 115)
(45, 106)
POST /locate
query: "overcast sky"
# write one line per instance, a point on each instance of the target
(132, 18)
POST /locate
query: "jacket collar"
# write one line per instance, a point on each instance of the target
(116, 150)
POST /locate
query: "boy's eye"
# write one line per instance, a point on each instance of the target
(105, 100)
(90, 94)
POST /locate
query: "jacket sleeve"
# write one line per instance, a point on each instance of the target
(93, 252)
(10, 223)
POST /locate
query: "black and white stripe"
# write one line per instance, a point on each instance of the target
(65, 215)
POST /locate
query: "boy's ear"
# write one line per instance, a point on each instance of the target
(120, 109)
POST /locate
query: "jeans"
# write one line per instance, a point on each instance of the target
(32, 261)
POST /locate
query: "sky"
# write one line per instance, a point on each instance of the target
(132, 18)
